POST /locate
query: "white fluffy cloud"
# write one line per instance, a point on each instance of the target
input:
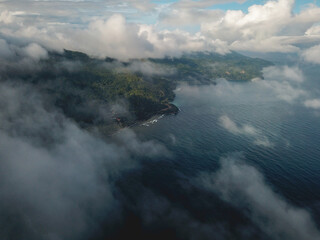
(35, 51)
(265, 28)
(284, 73)
(284, 82)
(111, 28)
(271, 27)
(314, 103)
(114, 37)
(312, 54)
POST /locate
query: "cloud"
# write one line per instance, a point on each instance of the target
(284, 73)
(189, 16)
(245, 130)
(283, 90)
(20, 57)
(162, 217)
(57, 180)
(112, 37)
(187, 4)
(134, 146)
(100, 31)
(35, 51)
(232, 127)
(270, 27)
(244, 187)
(6, 17)
(312, 54)
(263, 141)
(5, 51)
(314, 103)
(151, 69)
(73, 7)
(313, 31)
(284, 82)
(188, 12)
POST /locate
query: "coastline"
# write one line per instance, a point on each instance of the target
(122, 123)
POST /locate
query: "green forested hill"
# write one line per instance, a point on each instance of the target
(205, 67)
(96, 92)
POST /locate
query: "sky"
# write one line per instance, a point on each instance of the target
(299, 4)
(143, 28)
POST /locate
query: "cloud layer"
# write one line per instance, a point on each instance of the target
(244, 187)
(57, 180)
(116, 30)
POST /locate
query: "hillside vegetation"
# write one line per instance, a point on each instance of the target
(103, 93)
(206, 67)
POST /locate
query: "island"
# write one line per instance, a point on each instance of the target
(109, 94)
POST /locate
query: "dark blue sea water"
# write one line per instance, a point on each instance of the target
(288, 158)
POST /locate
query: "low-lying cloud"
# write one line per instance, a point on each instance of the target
(244, 187)
(313, 103)
(35, 51)
(232, 127)
(57, 180)
(245, 130)
(312, 54)
(284, 82)
(151, 69)
(280, 83)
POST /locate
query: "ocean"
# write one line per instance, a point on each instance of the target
(264, 125)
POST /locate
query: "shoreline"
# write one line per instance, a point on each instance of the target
(171, 109)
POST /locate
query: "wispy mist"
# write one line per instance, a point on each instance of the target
(245, 188)
(57, 179)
